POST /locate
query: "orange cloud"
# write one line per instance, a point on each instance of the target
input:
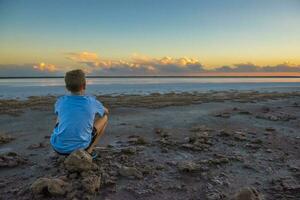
(45, 67)
(139, 64)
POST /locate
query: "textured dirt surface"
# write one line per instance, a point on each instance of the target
(172, 146)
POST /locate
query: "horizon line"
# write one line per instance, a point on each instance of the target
(145, 76)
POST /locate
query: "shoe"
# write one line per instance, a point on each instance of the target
(94, 155)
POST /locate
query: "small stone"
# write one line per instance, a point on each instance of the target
(107, 179)
(240, 136)
(36, 146)
(141, 141)
(265, 109)
(158, 131)
(129, 150)
(219, 161)
(224, 133)
(269, 151)
(164, 150)
(257, 141)
(187, 166)
(73, 175)
(253, 146)
(5, 138)
(245, 113)
(223, 115)
(130, 171)
(248, 193)
(270, 129)
(160, 167)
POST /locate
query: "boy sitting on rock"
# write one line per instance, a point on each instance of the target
(81, 119)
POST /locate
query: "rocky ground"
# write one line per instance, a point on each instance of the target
(216, 145)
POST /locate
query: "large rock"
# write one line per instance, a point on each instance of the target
(247, 193)
(91, 183)
(78, 161)
(49, 186)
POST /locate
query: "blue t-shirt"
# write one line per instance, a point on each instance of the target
(76, 115)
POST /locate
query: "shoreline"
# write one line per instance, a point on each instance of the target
(153, 100)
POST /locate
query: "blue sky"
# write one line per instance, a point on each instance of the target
(217, 33)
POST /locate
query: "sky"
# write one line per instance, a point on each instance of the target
(149, 37)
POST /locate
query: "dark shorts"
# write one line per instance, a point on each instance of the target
(94, 132)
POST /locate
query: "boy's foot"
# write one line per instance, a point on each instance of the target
(94, 155)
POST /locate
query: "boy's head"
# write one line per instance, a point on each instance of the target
(75, 80)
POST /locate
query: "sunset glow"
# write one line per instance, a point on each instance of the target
(158, 38)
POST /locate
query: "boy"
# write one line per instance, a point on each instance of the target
(77, 126)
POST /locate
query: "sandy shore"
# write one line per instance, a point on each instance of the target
(182, 146)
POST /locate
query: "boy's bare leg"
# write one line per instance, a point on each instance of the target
(100, 125)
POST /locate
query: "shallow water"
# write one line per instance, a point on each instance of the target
(22, 88)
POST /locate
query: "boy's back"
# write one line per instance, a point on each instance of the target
(76, 115)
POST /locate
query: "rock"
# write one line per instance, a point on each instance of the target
(276, 117)
(107, 179)
(269, 150)
(289, 184)
(215, 196)
(198, 141)
(265, 109)
(247, 193)
(223, 115)
(240, 136)
(294, 168)
(253, 146)
(5, 138)
(137, 140)
(36, 146)
(130, 171)
(11, 159)
(73, 175)
(218, 161)
(257, 141)
(141, 141)
(159, 167)
(129, 150)
(147, 169)
(273, 118)
(158, 131)
(78, 161)
(245, 113)
(91, 183)
(270, 129)
(187, 166)
(164, 150)
(164, 134)
(224, 133)
(46, 186)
